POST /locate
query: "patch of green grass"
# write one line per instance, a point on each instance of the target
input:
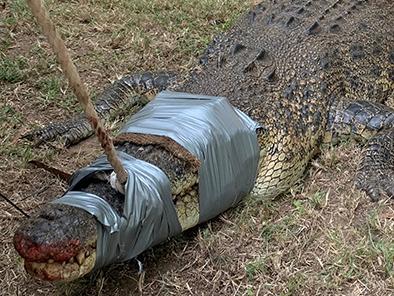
(10, 120)
(9, 116)
(353, 256)
(44, 56)
(250, 291)
(51, 93)
(299, 207)
(272, 229)
(19, 12)
(5, 43)
(385, 249)
(255, 267)
(21, 153)
(253, 206)
(50, 88)
(294, 285)
(12, 70)
(206, 233)
(373, 225)
(19, 8)
(279, 230)
(317, 199)
(381, 248)
(335, 237)
(37, 51)
(348, 265)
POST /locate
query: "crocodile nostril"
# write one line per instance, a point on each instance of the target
(47, 216)
(51, 214)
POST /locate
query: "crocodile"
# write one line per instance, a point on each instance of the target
(308, 71)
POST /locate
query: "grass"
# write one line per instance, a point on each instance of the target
(8, 113)
(11, 70)
(255, 267)
(17, 11)
(323, 238)
(51, 89)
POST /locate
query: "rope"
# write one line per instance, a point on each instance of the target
(14, 205)
(77, 85)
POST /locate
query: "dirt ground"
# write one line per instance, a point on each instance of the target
(322, 238)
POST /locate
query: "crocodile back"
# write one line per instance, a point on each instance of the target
(286, 63)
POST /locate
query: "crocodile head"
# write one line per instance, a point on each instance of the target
(58, 244)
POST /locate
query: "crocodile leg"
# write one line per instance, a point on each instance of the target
(126, 95)
(374, 123)
(376, 172)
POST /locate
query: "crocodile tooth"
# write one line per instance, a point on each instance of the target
(80, 258)
(66, 274)
(71, 260)
(87, 254)
(50, 261)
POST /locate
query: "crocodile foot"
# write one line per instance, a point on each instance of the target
(376, 173)
(124, 97)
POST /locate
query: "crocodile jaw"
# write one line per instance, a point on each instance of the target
(59, 244)
(75, 268)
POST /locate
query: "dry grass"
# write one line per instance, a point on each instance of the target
(324, 238)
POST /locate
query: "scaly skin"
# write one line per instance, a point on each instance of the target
(297, 68)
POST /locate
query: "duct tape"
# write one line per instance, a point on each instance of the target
(224, 140)
(148, 217)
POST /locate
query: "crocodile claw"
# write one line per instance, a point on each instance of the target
(376, 188)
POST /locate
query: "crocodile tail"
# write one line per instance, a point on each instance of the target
(123, 97)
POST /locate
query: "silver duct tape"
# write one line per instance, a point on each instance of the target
(220, 136)
(148, 218)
